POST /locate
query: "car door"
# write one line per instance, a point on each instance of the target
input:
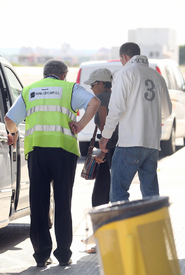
(177, 95)
(19, 164)
(5, 166)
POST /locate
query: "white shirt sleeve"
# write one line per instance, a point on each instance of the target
(80, 97)
(17, 112)
(117, 106)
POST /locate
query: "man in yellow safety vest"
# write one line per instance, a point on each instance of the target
(50, 106)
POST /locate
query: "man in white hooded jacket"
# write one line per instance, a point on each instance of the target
(139, 102)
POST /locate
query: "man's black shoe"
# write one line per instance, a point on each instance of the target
(65, 263)
(49, 261)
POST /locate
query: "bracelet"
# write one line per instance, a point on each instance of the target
(14, 134)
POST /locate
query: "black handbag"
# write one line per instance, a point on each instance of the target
(90, 168)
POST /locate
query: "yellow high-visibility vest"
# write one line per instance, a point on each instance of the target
(48, 112)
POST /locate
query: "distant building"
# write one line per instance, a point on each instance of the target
(32, 59)
(156, 42)
(102, 54)
(26, 51)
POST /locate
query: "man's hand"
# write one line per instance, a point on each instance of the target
(12, 128)
(99, 158)
(12, 140)
(102, 144)
(75, 127)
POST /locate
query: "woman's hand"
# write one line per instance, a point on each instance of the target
(99, 158)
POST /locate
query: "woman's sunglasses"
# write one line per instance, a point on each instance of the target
(92, 85)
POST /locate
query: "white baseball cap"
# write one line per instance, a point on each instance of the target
(101, 74)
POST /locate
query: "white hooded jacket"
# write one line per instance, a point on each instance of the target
(139, 102)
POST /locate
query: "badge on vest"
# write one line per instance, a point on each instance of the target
(45, 93)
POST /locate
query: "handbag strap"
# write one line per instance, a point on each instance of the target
(91, 146)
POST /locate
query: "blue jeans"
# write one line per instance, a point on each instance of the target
(126, 162)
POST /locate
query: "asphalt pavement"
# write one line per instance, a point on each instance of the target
(171, 173)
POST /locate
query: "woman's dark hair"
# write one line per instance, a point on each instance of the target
(129, 49)
(107, 84)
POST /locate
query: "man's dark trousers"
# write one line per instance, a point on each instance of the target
(46, 165)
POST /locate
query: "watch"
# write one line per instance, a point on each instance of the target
(14, 134)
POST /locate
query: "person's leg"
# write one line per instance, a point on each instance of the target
(40, 178)
(64, 172)
(110, 155)
(125, 163)
(148, 174)
(101, 188)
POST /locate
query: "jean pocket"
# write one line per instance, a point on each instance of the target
(132, 155)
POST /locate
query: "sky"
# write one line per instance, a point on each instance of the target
(85, 24)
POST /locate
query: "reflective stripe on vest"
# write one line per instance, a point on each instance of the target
(49, 128)
(51, 108)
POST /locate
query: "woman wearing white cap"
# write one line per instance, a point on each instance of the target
(100, 81)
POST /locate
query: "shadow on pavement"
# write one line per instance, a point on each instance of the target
(12, 235)
(182, 266)
(83, 267)
(178, 147)
(86, 265)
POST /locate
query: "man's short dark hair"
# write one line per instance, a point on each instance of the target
(129, 49)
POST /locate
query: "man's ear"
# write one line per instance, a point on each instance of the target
(63, 76)
(127, 58)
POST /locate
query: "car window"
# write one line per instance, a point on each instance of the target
(1, 108)
(178, 78)
(14, 83)
(4, 100)
(170, 77)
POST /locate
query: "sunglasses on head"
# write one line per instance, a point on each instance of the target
(92, 85)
